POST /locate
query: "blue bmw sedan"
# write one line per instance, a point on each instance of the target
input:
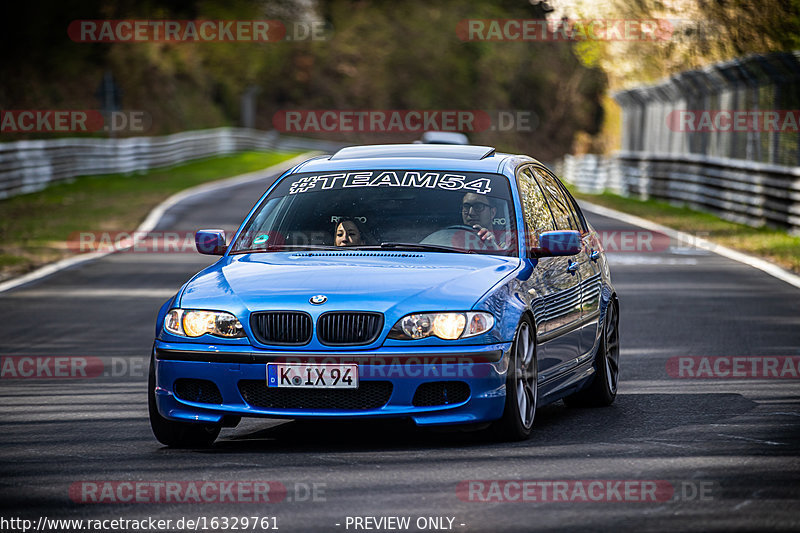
(439, 283)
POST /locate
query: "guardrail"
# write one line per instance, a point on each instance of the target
(29, 166)
(748, 192)
(749, 88)
(743, 172)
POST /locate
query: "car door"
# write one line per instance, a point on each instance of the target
(591, 282)
(554, 286)
(588, 268)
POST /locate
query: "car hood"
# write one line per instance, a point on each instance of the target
(388, 282)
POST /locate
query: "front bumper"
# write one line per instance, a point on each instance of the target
(234, 369)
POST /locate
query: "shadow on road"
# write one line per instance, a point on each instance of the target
(631, 417)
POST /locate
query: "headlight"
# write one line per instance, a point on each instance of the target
(447, 326)
(195, 323)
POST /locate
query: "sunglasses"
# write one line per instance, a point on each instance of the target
(478, 207)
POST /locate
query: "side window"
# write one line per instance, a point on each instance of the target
(534, 207)
(261, 221)
(563, 211)
(576, 210)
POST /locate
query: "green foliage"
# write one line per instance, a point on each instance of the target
(377, 55)
(692, 34)
(34, 228)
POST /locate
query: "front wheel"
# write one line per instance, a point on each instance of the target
(521, 385)
(176, 434)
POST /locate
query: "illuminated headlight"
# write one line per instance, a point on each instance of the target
(190, 323)
(447, 326)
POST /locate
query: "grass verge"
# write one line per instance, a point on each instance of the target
(771, 244)
(34, 228)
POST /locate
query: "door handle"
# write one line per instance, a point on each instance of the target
(573, 267)
(594, 255)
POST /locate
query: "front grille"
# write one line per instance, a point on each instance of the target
(440, 393)
(368, 395)
(282, 327)
(349, 328)
(197, 390)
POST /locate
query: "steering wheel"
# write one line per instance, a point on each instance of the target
(465, 227)
(453, 236)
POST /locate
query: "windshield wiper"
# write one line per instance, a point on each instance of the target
(381, 246)
(418, 246)
(282, 247)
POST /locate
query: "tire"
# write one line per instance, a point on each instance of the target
(176, 434)
(522, 389)
(603, 389)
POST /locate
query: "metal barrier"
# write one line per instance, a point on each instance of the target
(653, 116)
(748, 174)
(748, 192)
(29, 166)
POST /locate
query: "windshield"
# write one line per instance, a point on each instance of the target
(440, 211)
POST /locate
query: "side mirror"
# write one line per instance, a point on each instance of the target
(210, 241)
(557, 243)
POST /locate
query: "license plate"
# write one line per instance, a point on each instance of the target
(312, 376)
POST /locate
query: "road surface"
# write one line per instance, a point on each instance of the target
(726, 448)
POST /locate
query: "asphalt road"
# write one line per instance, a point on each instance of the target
(728, 447)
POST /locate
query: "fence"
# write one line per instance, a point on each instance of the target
(755, 84)
(747, 171)
(28, 166)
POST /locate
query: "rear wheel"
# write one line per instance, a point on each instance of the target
(521, 385)
(176, 434)
(603, 389)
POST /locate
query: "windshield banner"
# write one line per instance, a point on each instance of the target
(391, 178)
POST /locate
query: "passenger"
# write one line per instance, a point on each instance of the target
(347, 233)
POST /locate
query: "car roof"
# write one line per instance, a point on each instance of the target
(409, 156)
(449, 151)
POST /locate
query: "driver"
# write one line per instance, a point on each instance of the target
(478, 212)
